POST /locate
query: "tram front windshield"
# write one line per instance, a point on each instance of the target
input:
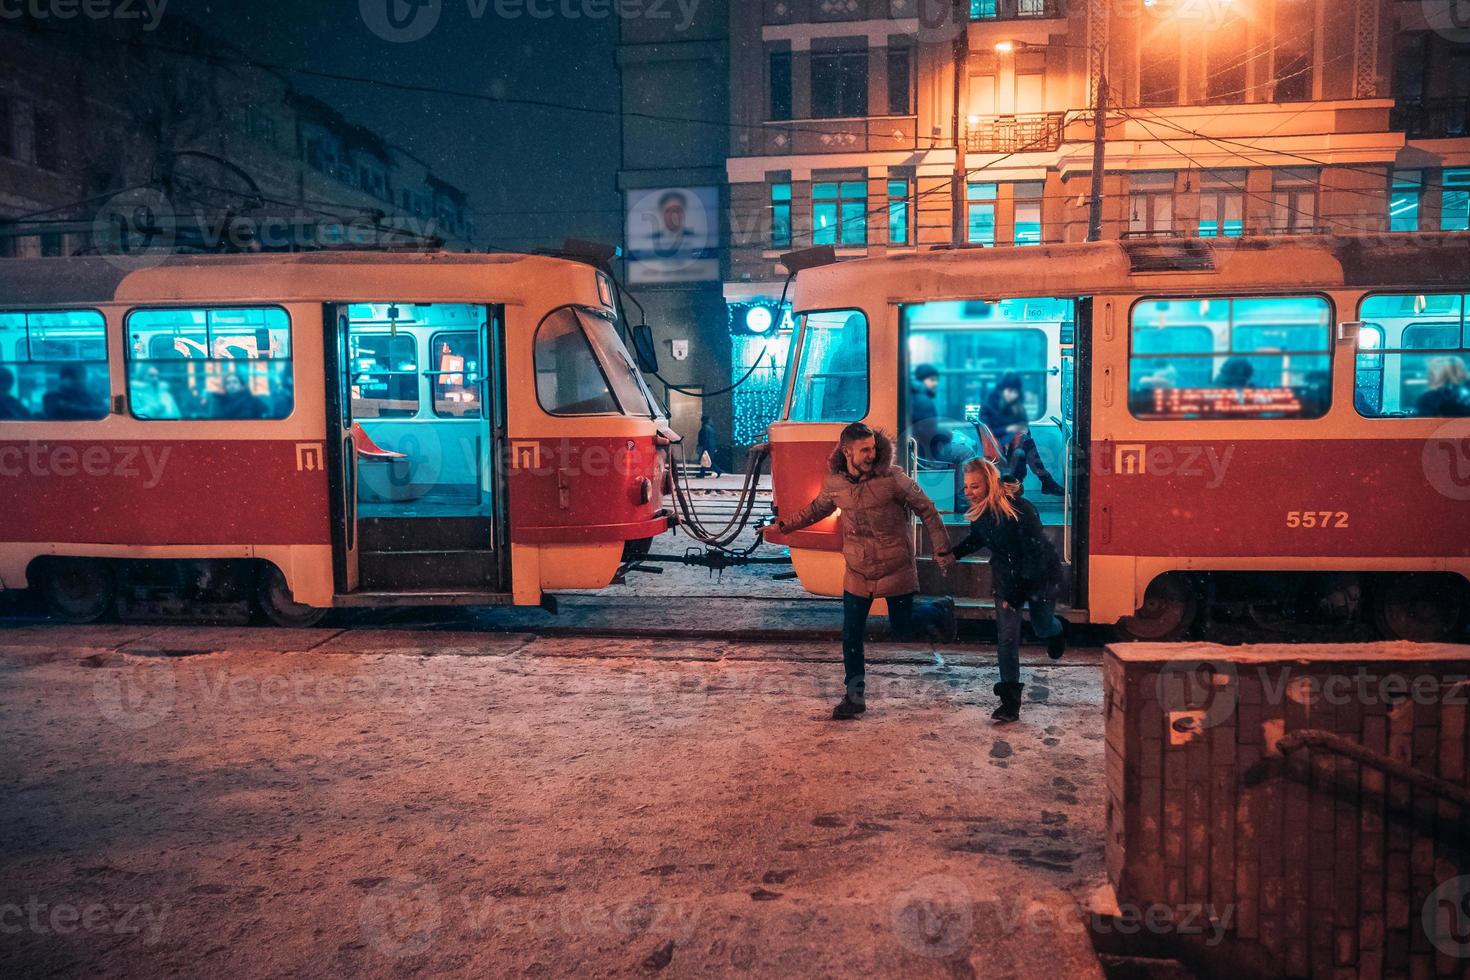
(622, 373)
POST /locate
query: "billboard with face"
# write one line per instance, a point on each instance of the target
(674, 235)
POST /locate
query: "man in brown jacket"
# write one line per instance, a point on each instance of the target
(876, 499)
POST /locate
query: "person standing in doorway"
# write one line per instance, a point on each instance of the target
(709, 448)
(876, 500)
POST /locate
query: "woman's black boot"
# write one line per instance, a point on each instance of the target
(1010, 702)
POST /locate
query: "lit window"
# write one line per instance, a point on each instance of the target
(53, 366)
(980, 205)
(457, 373)
(1404, 202)
(1231, 358)
(832, 369)
(1222, 204)
(1413, 351)
(1028, 212)
(983, 10)
(840, 213)
(223, 363)
(900, 231)
(1455, 211)
(780, 215)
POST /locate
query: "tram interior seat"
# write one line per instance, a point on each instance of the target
(394, 485)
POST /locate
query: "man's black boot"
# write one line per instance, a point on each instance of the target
(1010, 702)
(847, 709)
(1057, 645)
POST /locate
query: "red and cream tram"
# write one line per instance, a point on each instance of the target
(319, 430)
(1232, 420)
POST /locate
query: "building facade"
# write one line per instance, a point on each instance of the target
(178, 139)
(672, 178)
(1223, 118)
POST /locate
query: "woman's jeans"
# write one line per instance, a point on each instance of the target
(1044, 624)
(908, 622)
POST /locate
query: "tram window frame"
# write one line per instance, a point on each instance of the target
(436, 374)
(798, 362)
(1322, 409)
(1364, 358)
(360, 401)
(275, 379)
(571, 310)
(105, 406)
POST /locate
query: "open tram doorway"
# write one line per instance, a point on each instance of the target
(420, 418)
(978, 378)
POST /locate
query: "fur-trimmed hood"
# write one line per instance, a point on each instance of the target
(837, 462)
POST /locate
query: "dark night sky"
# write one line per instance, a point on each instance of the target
(561, 166)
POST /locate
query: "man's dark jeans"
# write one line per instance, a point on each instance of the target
(909, 622)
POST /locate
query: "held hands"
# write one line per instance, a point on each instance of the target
(945, 560)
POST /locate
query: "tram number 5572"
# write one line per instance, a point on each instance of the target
(1317, 518)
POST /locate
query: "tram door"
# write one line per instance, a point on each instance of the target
(423, 419)
(981, 377)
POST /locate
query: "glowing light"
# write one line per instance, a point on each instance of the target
(758, 319)
(1004, 47)
(1370, 338)
(973, 120)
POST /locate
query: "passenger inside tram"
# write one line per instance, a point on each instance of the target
(236, 400)
(1448, 394)
(151, 396)
(11, 408)
(72, 399)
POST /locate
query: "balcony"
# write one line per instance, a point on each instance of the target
(871, 134)
(1432, 119)
(1037, 133)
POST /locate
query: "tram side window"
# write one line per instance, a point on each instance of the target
(457, 372)
(385, 375)
(832, 368)
(569, 380)
(53, 366)
(218, 363)
(1231, 357)
(1413, 355)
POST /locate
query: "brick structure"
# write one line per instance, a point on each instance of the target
(1315, 864)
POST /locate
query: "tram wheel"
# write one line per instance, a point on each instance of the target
(274, 597)
(77, 590)
(1421, 608)
(1170, 607)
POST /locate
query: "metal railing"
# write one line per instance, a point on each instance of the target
(1012, 134)
(1432, 118)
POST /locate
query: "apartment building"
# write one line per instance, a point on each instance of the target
(1224, 118)
(185, 117)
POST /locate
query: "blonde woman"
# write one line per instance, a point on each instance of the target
(1448, 394)
(1025, 572)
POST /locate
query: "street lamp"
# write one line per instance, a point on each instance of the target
(1100, 122)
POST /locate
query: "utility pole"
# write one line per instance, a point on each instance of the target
(960, 11)
(1099, 153)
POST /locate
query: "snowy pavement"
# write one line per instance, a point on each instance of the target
(379, 802)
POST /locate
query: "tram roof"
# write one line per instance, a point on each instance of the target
(1145, 265)
(274, 276)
